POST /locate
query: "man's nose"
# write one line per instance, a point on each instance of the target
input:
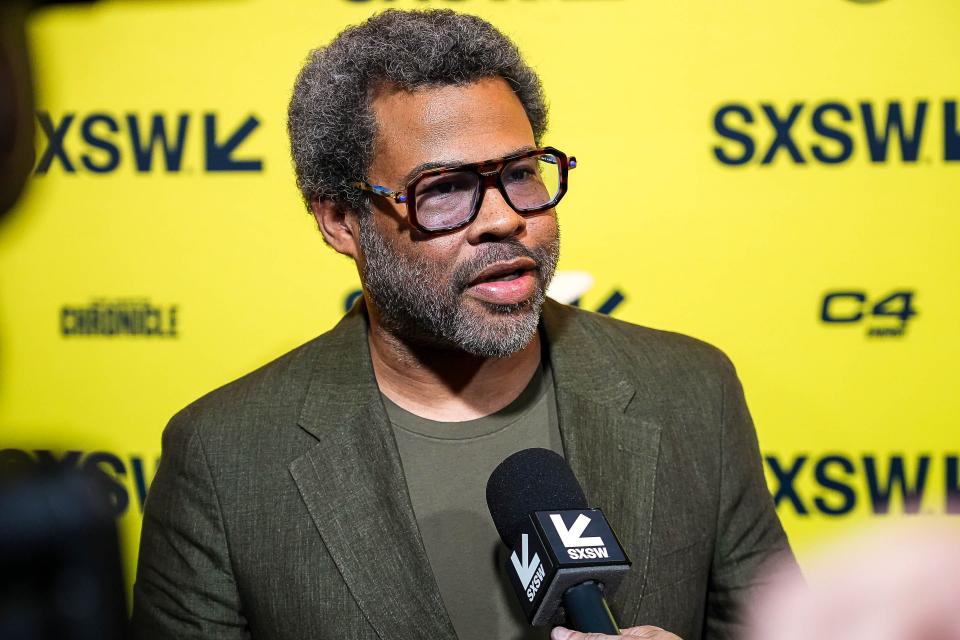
(496, 219)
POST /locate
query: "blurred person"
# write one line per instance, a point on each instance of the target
(60, 567)
(338, 492)
(16, 104)
(893, 582)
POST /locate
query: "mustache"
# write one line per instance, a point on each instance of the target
(465, 272)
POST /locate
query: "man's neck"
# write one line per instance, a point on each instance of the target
(448, 385)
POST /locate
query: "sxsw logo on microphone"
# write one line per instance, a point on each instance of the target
(551, 551)
(579, 537)
(579, 547)
(530, 570)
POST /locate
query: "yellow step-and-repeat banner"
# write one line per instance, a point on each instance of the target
(780, 179)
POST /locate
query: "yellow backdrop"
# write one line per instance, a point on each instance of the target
(780, 179)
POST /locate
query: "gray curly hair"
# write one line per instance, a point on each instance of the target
(330, 122)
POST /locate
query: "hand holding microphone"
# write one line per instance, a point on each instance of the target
(648, 632)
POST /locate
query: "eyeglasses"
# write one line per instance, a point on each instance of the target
(450, 197)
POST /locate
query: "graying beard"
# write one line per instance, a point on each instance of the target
(410, 309)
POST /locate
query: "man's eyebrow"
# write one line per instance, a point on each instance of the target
(450, 164)
(425, 166)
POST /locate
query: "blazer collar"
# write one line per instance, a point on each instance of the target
(343, 382)
(353, 485)
(610, 436)
(582, 364)
(610, 432)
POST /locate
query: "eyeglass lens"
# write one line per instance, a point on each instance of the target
(448, 199)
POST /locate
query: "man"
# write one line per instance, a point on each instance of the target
(338, 491)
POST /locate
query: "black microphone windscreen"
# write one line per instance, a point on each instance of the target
(527, 481)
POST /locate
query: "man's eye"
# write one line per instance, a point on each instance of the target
(520, 174)
(448, 186)
(521, 171)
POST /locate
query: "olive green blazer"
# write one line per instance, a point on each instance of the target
(280, 509)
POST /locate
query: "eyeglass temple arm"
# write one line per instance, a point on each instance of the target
(396, 196)
(571, 161)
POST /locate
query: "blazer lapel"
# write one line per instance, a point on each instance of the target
(611, 445)
(352, 483)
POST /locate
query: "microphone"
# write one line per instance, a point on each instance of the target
(563, 555)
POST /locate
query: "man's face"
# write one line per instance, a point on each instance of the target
(479, 288)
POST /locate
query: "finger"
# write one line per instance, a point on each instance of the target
(562, 633)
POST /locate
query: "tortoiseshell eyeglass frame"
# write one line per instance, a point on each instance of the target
(489, 174)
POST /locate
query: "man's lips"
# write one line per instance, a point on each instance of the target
(504, 270)
(509, 282)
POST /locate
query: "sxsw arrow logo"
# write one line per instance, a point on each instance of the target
(527, 568)
(220, 156)
(573, 537)
(569, 286)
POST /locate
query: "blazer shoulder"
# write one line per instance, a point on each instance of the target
(270, 395)
(645, 346)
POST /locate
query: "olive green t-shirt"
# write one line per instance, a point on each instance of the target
(447, 465)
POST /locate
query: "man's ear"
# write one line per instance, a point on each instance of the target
(339, 228)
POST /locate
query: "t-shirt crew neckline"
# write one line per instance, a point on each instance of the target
(478, 427)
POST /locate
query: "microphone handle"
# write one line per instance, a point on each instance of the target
(587, 610)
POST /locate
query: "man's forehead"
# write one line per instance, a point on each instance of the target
(450, 124)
